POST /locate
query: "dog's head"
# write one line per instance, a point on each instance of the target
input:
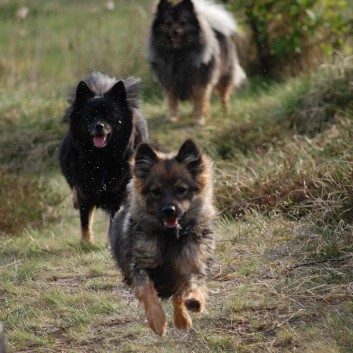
(176, 26)
(168, 185)
(98, 119)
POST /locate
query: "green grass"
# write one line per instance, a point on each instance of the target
(283, 163)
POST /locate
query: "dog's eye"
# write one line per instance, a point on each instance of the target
(168, 23)
(181, 191)
(156, 192)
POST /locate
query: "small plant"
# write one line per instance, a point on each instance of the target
(294, 35)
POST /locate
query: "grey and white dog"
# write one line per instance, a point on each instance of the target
(191, 52)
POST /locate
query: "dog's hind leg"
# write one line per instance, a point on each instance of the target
(147, 294)
(182, 319)
(86, 217)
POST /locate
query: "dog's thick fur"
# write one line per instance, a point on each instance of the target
(191, 52)
(105, 127)
(163, 237)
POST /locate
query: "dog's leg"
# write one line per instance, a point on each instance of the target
(182, 319)
(147, 294)
(86, 217)
(201, 100)
(225, 89)
(195, 297)
(173, 105)
(75, 198)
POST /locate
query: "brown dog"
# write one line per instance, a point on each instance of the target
(163, 238)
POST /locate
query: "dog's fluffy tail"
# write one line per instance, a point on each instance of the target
(239, 76)
(217, 16)
(133, 88)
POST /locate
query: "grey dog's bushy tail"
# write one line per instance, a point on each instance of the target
(101, 84)
(217, 16)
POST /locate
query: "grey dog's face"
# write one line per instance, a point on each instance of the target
(176, 26)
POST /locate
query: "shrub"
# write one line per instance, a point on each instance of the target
(291, 36)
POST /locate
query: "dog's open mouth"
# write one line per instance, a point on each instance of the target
(171, 223)
(176, 39)
(100, 141)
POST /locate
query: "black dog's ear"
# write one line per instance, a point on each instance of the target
(188, 4)
(163, 5)
(190, 156)
(118, 92)
(145, 158)
(83, 92)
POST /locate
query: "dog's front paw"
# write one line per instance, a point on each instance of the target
(87, 236)
(182, 319)
(157, 321)
(147, 294)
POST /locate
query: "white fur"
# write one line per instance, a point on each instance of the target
(99, 83)
(239, 76)
(217, 16)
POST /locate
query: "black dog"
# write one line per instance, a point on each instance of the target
(105, 128)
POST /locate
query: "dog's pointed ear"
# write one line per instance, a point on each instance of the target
(83, 92)
(191, 157)
(118, 92)
(163, 5)
(188, 4)
(145, 158)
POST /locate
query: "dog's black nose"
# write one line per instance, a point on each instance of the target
(99, 127)
(168, 211)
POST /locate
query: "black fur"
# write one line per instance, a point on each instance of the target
(100, 174)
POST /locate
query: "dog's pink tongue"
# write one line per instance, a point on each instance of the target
(99, 141)
(171, 223)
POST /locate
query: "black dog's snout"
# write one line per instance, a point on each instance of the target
(99, 127)
(169, 211)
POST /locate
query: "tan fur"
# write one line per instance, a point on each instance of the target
(201, 99)
(181, 318)
(87, 234)
(173, 104)
(153, 308)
